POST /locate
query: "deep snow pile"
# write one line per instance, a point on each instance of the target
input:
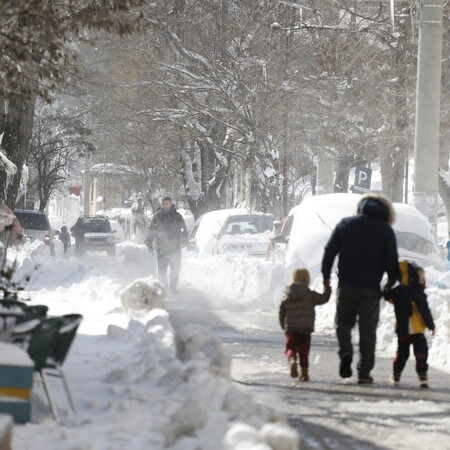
(139, 384)
(242, 280)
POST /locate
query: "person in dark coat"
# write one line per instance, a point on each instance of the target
(77, 231)
(413, 316)
(169, 234)
(297, 317)
(64, 237)
(367, 248)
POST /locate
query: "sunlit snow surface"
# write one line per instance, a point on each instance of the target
(133, 389)
(137, 384)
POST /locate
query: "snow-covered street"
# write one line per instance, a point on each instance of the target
(206, 207)
(140, 384)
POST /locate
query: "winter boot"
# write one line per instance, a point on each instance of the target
(423, 380)
(293, 363)
(365, 379)
(345, 367)
(395, 378)
(304, 376)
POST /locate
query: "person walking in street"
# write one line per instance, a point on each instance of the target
(169, 233)
(297, 317)
(367, 248)
(77, 231)
(413, 316)
(64, 237)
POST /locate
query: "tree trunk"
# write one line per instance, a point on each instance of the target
(342, 174)
(398, 178)
(195, 197)
(16, 141)
(2, 114)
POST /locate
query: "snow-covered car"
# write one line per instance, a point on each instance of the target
(98, 235)
(211, 227)
(245, 234)
(308, 226)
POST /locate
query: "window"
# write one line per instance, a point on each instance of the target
(97, 226)
(286, 231)
(249, 224)
(413, 243)
(32, 221)
(194, 231)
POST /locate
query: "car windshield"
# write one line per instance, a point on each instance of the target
(32, 221)
(97, 226)
(249, 224)
(413, 243)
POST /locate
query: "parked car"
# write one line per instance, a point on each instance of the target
(98, 235)
(231, 230)
(307, 228)
(246, 234)
(36, 225)
(201, 239)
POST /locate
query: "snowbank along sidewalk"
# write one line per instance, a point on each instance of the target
(139, 384)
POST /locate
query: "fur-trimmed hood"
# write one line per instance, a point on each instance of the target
(376, 205)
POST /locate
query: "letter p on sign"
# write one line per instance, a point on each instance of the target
(362, 176)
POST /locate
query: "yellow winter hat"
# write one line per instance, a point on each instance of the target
(300, 276)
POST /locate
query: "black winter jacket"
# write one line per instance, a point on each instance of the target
(296, 312)
(169, 231)
(366, 246)
(411, 310)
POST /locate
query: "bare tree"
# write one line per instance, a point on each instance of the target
(34, 56)
(57, 145)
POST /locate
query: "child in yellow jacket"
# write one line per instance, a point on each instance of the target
(413, 317)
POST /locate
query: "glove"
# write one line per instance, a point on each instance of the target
(387, 294)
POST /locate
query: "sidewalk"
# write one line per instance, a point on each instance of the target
(328, 412)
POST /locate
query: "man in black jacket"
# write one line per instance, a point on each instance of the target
(169, 232)
(367, 248)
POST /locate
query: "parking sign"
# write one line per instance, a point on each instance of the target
(363, 176)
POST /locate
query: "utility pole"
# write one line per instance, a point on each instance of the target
(428, 107)
(87, 185)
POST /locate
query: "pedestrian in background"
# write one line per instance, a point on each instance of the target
(77, 231)
(64, 237)
(169, 234)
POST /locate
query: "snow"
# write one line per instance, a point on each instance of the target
(143, 294)
(111, 169)
(10, 355)
(137, 382)
(56, 222)
(7, 164)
